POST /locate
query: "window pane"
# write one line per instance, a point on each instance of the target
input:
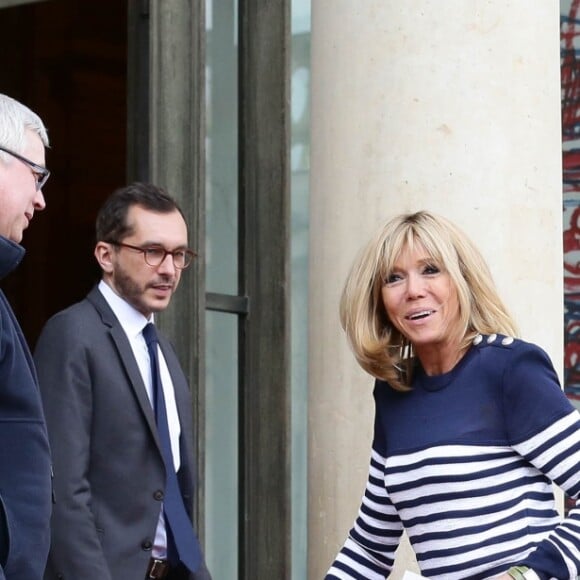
(221, 466)
(221, 478)
(222, 147)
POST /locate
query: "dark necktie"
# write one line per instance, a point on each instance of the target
(182, 542)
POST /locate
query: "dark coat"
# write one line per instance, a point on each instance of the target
(25, 482)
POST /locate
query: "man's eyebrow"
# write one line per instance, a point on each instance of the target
(152, 244)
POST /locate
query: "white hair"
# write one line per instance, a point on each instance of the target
(15, 120)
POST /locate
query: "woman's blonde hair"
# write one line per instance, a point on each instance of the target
(379, 347)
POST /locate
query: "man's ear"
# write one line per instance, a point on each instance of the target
(104, 256)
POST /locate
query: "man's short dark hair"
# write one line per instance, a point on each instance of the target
(112, 223)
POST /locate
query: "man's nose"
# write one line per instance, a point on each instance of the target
(167, 266)
(39, 201)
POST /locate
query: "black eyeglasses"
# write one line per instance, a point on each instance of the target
(41, 174)
(155, 255)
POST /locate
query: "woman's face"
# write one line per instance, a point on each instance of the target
(421, 301)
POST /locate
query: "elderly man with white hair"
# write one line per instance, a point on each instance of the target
(25, 473)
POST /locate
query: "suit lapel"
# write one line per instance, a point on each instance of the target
(126, 358)
(129, 364)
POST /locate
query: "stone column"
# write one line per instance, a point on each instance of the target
(176, 137)
(451, 106)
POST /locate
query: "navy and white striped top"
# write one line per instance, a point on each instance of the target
(464, 463)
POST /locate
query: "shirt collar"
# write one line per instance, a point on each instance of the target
(131, 320)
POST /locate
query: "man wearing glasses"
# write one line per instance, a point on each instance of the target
(25, 473)
(118, 406)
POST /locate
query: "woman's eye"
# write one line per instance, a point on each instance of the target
(392, 278)
(431, 269)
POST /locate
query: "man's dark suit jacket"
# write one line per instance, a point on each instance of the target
(109, 475)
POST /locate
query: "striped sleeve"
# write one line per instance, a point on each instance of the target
(545, 429)
(369, 551)
(555, 451)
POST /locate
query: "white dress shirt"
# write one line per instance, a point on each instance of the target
(133, 322)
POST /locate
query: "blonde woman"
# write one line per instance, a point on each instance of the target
(471, 425)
